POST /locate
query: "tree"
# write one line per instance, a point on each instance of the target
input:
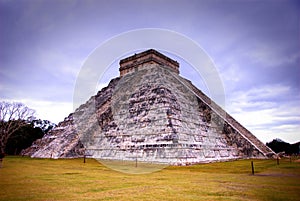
(12, 117)
(23, 138)
(45, 125)
(277, 145)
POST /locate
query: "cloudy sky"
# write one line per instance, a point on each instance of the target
(253, 44)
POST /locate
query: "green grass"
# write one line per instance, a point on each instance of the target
(71, 179)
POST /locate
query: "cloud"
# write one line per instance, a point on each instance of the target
(271, 55)
(270, 111)
(61, 64)
(47, 110)
(261, 93)
(287, 133)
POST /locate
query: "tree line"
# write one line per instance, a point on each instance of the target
(279, 146)
(19, 128)
(26, 135)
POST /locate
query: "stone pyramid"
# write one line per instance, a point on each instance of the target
(151, 114)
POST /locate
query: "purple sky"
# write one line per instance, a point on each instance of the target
(254, 45)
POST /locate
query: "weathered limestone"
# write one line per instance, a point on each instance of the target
(151, 114)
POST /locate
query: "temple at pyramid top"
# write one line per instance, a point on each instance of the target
(141, 60)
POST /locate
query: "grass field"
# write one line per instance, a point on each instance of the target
(71, 179)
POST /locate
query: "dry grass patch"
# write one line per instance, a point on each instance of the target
(71, 179)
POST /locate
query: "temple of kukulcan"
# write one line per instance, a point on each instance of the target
(150, 114)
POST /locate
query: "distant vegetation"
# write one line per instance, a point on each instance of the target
(277, 145)
(13, 116)
(26, 135)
